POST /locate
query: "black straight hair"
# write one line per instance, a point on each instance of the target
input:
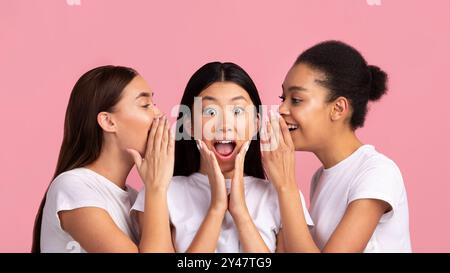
(187, 156)
(348, 75)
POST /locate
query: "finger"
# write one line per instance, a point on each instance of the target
(158, 135)
(275, 125)
(237, 171)
(273, 143)
(285, 133)
(264, 133)
(240, 160)
(237, 184)
(165, 137)
(238, 168)
(151, 137)
(201, 148)
(136, 157)
(171, 145)
(243, 152)
(210, 156)
(206, 154)
(264, 137)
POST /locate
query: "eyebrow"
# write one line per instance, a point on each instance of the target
(295, 88)
(145, 94)
(232, 99)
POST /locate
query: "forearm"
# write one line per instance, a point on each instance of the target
(249, 236)
(297, 237)
(208, 234)
(156, 234)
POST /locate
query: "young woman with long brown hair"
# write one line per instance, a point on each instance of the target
(110, 125)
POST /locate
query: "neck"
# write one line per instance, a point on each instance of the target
(113, 164)
(341, 146)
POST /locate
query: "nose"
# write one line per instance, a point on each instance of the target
(283, 109)
(225, 123)
(156, 111)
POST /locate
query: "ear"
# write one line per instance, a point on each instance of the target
(339, 109)
(106, 122)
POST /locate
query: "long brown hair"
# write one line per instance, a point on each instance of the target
(98, 90)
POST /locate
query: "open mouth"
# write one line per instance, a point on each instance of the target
(292, 127)
(224, 148)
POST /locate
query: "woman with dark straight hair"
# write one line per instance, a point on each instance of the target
(219, 200)
(110, 122)
(358, 198)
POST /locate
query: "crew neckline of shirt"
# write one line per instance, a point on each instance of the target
(204, 179)
(108, 182)
(346, 160)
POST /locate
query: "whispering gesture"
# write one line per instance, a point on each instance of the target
(156, 167)
(278, 153)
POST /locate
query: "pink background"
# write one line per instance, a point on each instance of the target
(46, 45)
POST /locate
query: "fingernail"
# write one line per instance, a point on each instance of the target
(198, 146)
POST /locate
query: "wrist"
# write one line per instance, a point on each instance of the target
(289, 186)
(241, 216)
(218, 204)
(156, 189)
(217, 210)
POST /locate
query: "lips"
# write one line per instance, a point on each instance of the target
(224, 149)
(292, 126)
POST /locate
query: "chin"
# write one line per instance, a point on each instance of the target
(301, 147)
(227, 168)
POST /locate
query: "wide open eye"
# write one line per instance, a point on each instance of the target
(237, 111)
(209, 112)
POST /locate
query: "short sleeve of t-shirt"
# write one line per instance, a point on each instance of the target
(70, 191)
(379, 182)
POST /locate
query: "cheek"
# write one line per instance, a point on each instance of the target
(207, 126)
(246, 127)
(308, 122)
(133, 130)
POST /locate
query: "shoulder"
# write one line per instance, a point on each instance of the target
(377, 177)
(73, 180)
(75, 186)
(73, 189)
(374, 163)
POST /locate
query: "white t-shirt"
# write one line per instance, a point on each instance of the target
(79, 188)
(188, 201)
(365, 174)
